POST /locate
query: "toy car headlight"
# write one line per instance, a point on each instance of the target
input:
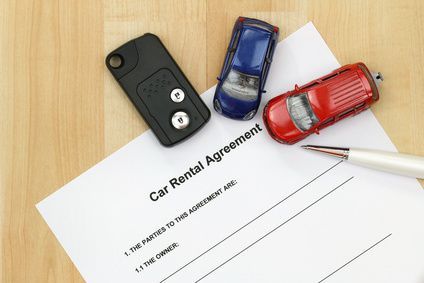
(217, 106)
(249, 115)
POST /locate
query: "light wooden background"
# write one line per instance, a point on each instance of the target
(61, 112)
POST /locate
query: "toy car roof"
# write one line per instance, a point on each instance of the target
(253, 44)
(344, 91)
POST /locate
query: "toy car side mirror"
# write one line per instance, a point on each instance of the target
(316, 131)
(219, 79)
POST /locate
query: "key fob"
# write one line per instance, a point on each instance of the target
(158, 88)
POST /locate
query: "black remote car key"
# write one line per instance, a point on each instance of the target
(158, 89)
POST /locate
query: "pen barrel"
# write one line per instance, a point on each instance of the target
(398, 163)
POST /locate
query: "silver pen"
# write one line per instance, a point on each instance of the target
(393, 162)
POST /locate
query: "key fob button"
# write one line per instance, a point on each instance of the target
(180, 120)
(177, 95)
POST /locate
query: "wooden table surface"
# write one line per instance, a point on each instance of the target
(61, 112)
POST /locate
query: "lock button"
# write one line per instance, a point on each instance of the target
(177, 95)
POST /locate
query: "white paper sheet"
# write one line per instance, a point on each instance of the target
(255, 211)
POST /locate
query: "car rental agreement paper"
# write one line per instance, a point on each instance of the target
(233, 205)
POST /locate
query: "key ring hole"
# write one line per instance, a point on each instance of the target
(116, 61)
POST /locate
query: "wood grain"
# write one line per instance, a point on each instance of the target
(61, 111)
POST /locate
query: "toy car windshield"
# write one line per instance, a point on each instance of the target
(301, 112)
(241, 86)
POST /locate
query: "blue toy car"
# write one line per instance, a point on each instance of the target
(245, 69)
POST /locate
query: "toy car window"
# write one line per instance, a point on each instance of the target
(241, 86)
(329, 77)
(301, 112)
(230, 58)
(327, 122)
(347, 112)
(371, 81)
(236, 39)
(267, 61)
(261, 26)
(360, 105)
(231, 51)
(311, 85)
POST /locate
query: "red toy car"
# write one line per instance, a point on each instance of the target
(345, 92)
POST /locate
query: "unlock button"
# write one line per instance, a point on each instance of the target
(180, 120)
(177, 95)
